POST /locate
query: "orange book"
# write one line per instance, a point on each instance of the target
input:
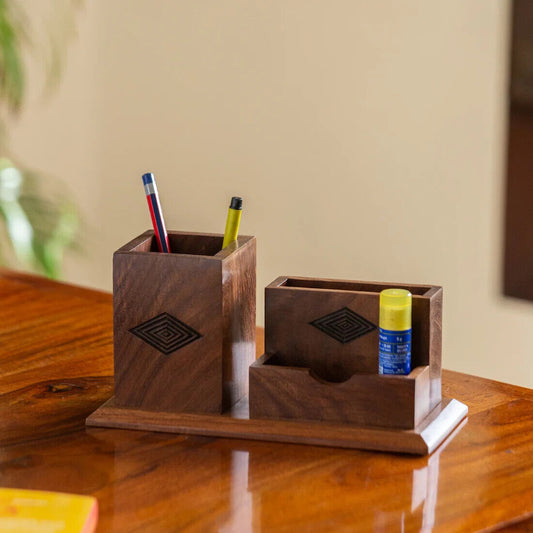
(33, 511)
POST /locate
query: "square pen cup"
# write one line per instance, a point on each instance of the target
(184, 322)
(321, 358)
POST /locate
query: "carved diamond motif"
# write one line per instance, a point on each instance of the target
(344, 325)
(165, 333)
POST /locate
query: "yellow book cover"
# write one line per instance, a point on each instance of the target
(33, 511)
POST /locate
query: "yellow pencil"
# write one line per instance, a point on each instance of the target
(233, 221)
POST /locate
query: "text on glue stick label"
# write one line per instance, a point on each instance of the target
(394, 351)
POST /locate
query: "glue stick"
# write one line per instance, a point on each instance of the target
(395, 331)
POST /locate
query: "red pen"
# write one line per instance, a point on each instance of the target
(150, 188)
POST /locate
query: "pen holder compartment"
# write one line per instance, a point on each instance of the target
(322, 355)
(184, 322)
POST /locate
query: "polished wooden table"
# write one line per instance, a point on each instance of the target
(56, 367)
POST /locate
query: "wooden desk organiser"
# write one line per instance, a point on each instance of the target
(321, 360)
(184, 323)
(332, 396)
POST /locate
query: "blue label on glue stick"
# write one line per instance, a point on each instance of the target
(394, 352)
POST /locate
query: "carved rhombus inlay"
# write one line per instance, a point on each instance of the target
(165, 333)
(344, 325)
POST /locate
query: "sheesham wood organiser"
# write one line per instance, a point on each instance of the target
(184, 345)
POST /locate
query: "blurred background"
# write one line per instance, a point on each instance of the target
(368, 140)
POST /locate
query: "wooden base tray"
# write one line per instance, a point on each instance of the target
(422, 440)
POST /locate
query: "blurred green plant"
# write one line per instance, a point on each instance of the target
(40, 221)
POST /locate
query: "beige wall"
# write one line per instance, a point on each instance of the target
(367, 139)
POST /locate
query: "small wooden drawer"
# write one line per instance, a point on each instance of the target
(286, 392)
(184, 322)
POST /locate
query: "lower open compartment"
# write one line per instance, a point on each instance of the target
(278, 391)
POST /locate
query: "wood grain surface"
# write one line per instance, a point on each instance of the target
(56, 366)
(238, 318)
(236, 424)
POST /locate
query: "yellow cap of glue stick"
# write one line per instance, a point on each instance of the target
(395, 309)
